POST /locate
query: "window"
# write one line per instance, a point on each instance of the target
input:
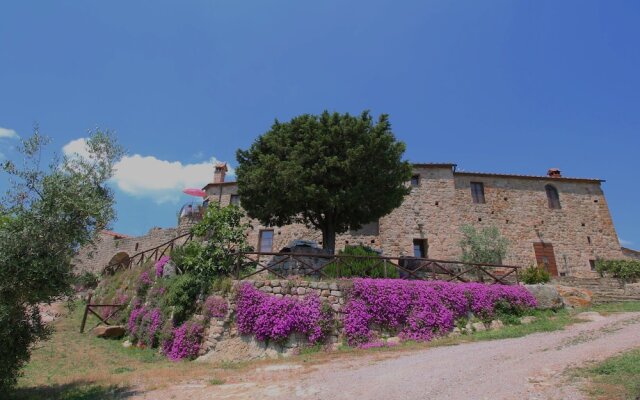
(420, 248)
(553, 197)
(477, 192)
(235, 200)
(415, 180)
(592, 264)
(265, 242)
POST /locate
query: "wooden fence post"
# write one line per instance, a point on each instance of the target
(86, 312)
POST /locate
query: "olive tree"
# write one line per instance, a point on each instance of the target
(332, 172)
(47, 214)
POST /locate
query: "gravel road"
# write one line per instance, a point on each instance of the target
(530, 367)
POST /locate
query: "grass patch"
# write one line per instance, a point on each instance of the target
(624, 306)
(77, 366)
(615, 378)
(216, 381)
(76, 391)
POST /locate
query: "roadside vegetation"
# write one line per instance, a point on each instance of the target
(615, 378)
(74, 366)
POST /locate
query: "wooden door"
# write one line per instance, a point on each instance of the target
(545, 257)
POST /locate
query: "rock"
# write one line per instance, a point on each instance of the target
(126, 344)
(393, 341)
(547, 296)
(496, 324)
(169, 270)
(336, 293)
(575, 297)
(478, 327)
(301, 291)
(528, 319)
(109, 331)
(455, 332)
(590, 316)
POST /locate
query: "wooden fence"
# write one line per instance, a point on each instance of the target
(91, 308)
(153, 253)
(319, 266)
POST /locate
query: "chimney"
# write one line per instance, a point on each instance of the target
(220, 172)
(554, 173)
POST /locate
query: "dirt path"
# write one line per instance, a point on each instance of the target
(530, 367)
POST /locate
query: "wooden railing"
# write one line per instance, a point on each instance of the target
(153, 253)
(113, 310)
(315, 265)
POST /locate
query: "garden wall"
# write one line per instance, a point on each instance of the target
(224, 343)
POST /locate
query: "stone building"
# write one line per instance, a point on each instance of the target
(560, 222)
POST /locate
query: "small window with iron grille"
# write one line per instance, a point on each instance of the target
(477, 192)
(265, 241)
(415, 180)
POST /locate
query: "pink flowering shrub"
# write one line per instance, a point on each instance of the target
(184, 342)
(271, 318)
(160, 265)
(144, 324)
(421, 310)
(215, 307)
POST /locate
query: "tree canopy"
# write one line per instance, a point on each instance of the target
(332, 172)
(45, 217)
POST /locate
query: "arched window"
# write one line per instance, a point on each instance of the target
(553, 197)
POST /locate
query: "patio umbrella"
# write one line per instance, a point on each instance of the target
(194, 192)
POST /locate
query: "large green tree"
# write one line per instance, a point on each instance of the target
(46, 216)
(332, 172)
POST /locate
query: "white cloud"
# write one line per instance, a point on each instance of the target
(8, 133)
(625, 242)
(76, 148)
(149, 177)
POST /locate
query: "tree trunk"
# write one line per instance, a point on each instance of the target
(329, 239)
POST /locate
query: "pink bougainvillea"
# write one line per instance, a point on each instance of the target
(160, 265)
(144, 324)
(272, 318)
(215, 307)
(184, 342)
(420, 310)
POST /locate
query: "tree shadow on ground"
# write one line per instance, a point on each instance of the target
(78, 390)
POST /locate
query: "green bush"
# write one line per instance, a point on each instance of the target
(182, 294)
(187, 257)
(86, 280)
(626, 270)
(360, 267)
(534, 274)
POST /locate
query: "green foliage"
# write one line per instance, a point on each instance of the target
(187, 257)
(47, 215)
(86, 280)
(534, 274)
(333, 172)
(615, 377)
(626, 270)
(224, 235)
(182, 294)
(484, 246)
(360, 267)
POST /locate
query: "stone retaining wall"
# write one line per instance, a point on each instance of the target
(224, 343)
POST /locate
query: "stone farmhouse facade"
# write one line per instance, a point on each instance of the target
(562, 223)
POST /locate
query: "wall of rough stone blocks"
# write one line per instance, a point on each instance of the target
(580, 231)
(224, 343)
(95, 258)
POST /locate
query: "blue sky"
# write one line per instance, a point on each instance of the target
(500, 86)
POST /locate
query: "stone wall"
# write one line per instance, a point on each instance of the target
(224, 343)
(435, 210)
(113, 247)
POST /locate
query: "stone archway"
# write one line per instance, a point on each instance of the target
(118, 261)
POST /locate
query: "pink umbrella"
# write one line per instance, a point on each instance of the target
(194, 192)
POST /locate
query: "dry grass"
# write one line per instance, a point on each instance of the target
(77, 366)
